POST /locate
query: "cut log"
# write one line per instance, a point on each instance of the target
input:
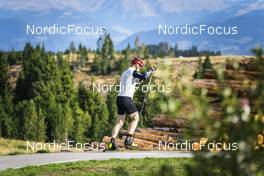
(152, 131)
(234, 74)
(160, 133)
(169, 122)
(247, 64)
(216, 114)
(152, 137)
(144, 145)
(166, 129)
(149, 137)
(213, 86)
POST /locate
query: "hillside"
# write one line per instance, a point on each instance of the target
(176, 67)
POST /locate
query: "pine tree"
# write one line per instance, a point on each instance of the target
(27, 52)
(65, 77)
(81, 122)
(96, 67)
(99, 117)
(105, 61)
(202, 66)
(99, 43)
(112, 108)
(125, 61)
(80, 47)
(199, 72)
(6, 114)
(107, 55)
(176, 51)
(3, 73)
(55, 120)
(72, 47)
(12, 57)
(31, 121)
(207, 63)
(94, 104)
(82, 51)
(6, 100)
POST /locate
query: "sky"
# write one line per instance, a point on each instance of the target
(140, 7)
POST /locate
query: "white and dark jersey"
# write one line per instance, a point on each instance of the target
(129, 80)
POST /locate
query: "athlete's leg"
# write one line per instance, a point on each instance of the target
(133, 125)
(129, 141)
(119, 123)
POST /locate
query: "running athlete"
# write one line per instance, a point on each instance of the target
(124, 102)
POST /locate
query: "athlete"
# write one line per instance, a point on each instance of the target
(128, 81)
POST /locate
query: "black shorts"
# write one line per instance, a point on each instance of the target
(125, 105)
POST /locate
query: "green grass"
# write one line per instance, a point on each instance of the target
(13, 147)
(16, 147)
(119, 167)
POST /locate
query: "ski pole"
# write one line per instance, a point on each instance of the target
(145, 96)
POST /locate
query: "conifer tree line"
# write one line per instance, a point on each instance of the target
(165, 49)
(44, 105)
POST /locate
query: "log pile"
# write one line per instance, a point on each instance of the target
(148, 138)
(234, 74)
(241, 78)
(165, 130)
(214, 86)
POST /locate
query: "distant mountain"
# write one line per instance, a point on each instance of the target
(236, 8)
(124, 20)
(250, 27)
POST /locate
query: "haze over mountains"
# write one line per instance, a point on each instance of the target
(127, 19)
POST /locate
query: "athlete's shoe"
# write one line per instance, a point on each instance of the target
(112, 145)
(129, 143)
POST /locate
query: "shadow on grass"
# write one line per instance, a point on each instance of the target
(166, 170)
(120, 171)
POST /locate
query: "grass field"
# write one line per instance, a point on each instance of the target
(13, 147)
(118, 167)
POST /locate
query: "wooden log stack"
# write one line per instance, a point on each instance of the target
(234, 74)
(240, 77)
(150, 138)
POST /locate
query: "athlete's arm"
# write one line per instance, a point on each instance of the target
(141, 76)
